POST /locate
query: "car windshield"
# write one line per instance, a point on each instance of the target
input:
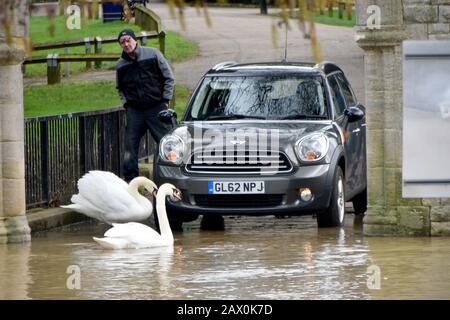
(257, 97)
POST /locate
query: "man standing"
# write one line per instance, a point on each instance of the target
(145, 84)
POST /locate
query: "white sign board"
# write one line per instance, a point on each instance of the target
(426, 119)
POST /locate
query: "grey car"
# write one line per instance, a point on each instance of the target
(267, 139)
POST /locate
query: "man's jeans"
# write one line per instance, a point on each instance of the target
(138, 122)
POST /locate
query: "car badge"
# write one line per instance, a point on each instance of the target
(239, 142)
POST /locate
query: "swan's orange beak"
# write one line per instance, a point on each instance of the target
(155, 192)
(177, 194)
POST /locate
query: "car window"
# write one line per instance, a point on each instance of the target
(338, 98)
(345, 87)
(266, 97)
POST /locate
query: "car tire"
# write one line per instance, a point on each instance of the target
(176, 225)
(212, 222)
(360, 202)
(335, 214)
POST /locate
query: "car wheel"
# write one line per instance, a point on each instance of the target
(334, 215)
(176, 225)
(212, 222)
(360, 202)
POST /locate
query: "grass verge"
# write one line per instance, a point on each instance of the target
(43, 100)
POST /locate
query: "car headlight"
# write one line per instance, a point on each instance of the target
(172, 149)
(312, 147)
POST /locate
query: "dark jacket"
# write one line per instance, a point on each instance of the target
(146, 81)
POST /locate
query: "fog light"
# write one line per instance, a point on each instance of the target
(171, 155)
(305, 194)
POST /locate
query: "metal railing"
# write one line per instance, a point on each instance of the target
(60, 149)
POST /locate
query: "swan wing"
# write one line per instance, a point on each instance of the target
(107, 191)
(91, 186)
(121, 206)
(109, 177)
(84, 206)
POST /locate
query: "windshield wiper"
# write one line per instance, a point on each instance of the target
(303, 116)
(233, 116)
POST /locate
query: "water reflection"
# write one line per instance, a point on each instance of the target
(412, 267)
(253, 258)
(14, 271)
(130, 274)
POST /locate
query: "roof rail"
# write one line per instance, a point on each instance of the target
(327, 67)
(223, 65)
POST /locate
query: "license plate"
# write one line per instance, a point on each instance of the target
(235, 187)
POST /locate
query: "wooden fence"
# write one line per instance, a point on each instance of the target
(53, 60)
(342, 5)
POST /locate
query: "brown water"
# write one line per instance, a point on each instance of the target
(253, 258)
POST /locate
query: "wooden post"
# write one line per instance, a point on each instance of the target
(62, 7)
(144, 38)
(162, 42)
(341, 7)
(98, 50)
(330, 8)
(321, 7)
(87, 46)
(349, 7)
(53, 69)
(66, 64)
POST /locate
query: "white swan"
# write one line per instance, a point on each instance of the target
(136, 235)
(104, 196)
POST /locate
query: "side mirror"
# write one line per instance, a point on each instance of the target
(354, 114)
(168, 116)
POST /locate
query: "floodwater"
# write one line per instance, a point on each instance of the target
(253, 258)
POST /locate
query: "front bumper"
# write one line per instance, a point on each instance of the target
(282, 187)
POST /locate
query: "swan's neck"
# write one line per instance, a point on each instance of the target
(164, 226)
(133, 191)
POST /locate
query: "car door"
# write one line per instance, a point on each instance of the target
(353, 132)
(357, 136)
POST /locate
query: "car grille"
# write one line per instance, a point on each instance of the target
(247, 162)
(238, 200)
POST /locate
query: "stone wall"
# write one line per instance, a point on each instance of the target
(13, 222)
(427, 19)
(388, 213)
